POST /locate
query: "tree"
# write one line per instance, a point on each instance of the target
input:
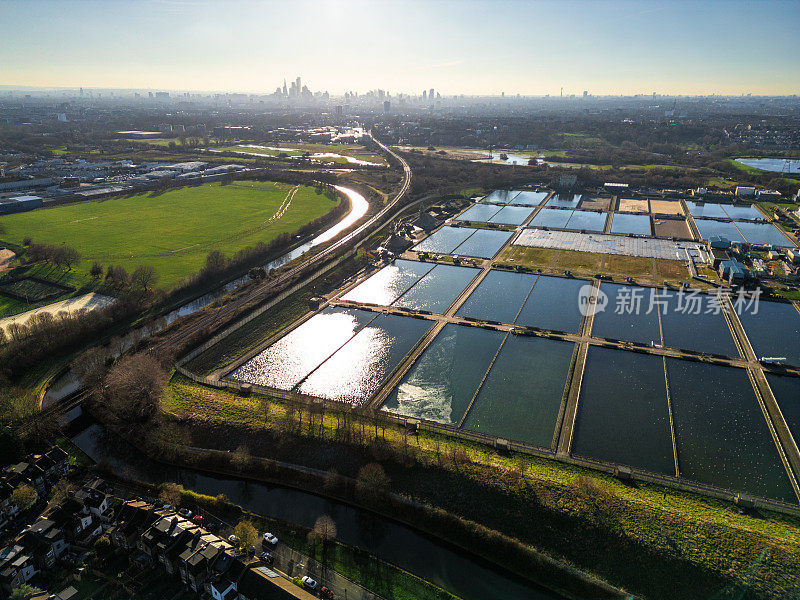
(323, 533)
(70, 257)
(170, 493)
(60, 491)
(24, 496)
(215, 261)
(372, 482)
(96, 271)
(24, 592)
(144, 277)
(247, 534)
(240, 458)
(134, 387)
(89, 367)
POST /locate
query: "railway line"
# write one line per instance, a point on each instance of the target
(261, 292)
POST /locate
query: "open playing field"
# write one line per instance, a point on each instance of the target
(174, 230)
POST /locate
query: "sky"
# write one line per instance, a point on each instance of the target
(455, 46)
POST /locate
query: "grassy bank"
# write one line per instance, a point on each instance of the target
(654, 541)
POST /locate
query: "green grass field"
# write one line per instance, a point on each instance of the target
(172, 231)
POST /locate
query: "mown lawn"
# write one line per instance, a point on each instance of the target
(173, 231)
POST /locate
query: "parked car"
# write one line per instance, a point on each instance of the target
(326, 593)
(199, 519)
(269, 538)
(185, 512)
(266, 557)
(233, 539)
(308, 582)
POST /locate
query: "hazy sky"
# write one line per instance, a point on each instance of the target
(466, 46)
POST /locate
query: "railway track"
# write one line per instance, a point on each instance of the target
(292, 274)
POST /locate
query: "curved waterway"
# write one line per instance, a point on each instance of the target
(66, 384)
(466, 576)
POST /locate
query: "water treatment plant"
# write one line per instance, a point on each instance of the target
(688, 385)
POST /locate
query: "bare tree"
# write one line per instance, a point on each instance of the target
(372, 482)
(134, 387)
(144, 278)
(324, 532)
(170, 493)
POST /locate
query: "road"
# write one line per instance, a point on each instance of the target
(209, 320)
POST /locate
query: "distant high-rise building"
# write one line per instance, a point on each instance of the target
(585, 93)
(386, 107)
(285, 90)
(298, 84)
(338, 111)
(562, 92)
(424, 95)
(430, 95)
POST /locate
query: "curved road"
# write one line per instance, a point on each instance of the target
(229, 310)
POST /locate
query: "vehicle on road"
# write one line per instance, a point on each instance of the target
(267, 558)
(308, 582)
(199, 519)
(185, 512)
(233, 539)
(325, 592)
(269, 538)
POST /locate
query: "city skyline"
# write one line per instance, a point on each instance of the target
(527, 48)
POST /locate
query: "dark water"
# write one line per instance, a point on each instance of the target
(445, 240)
(479, 212)
(721, 434)
(501, 196)
(521, 396)
(635, 224)
(551, 217)
(590, 221)
(553, 304)
(706, 209)
(456, 571)
(616, 323)
(623, 415)
(700, 332)
(774, 330)
(787, 393)
(498, 297)
(565, 200)
(438, 289)
(295, 355)
(742, 211)
(511, 215)
(354, 373)
(709, 228)
(527, 198)
(388, 284)
(484, 243)
(442, 382)
(762, 233)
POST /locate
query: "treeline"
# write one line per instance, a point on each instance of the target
(61, 256)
